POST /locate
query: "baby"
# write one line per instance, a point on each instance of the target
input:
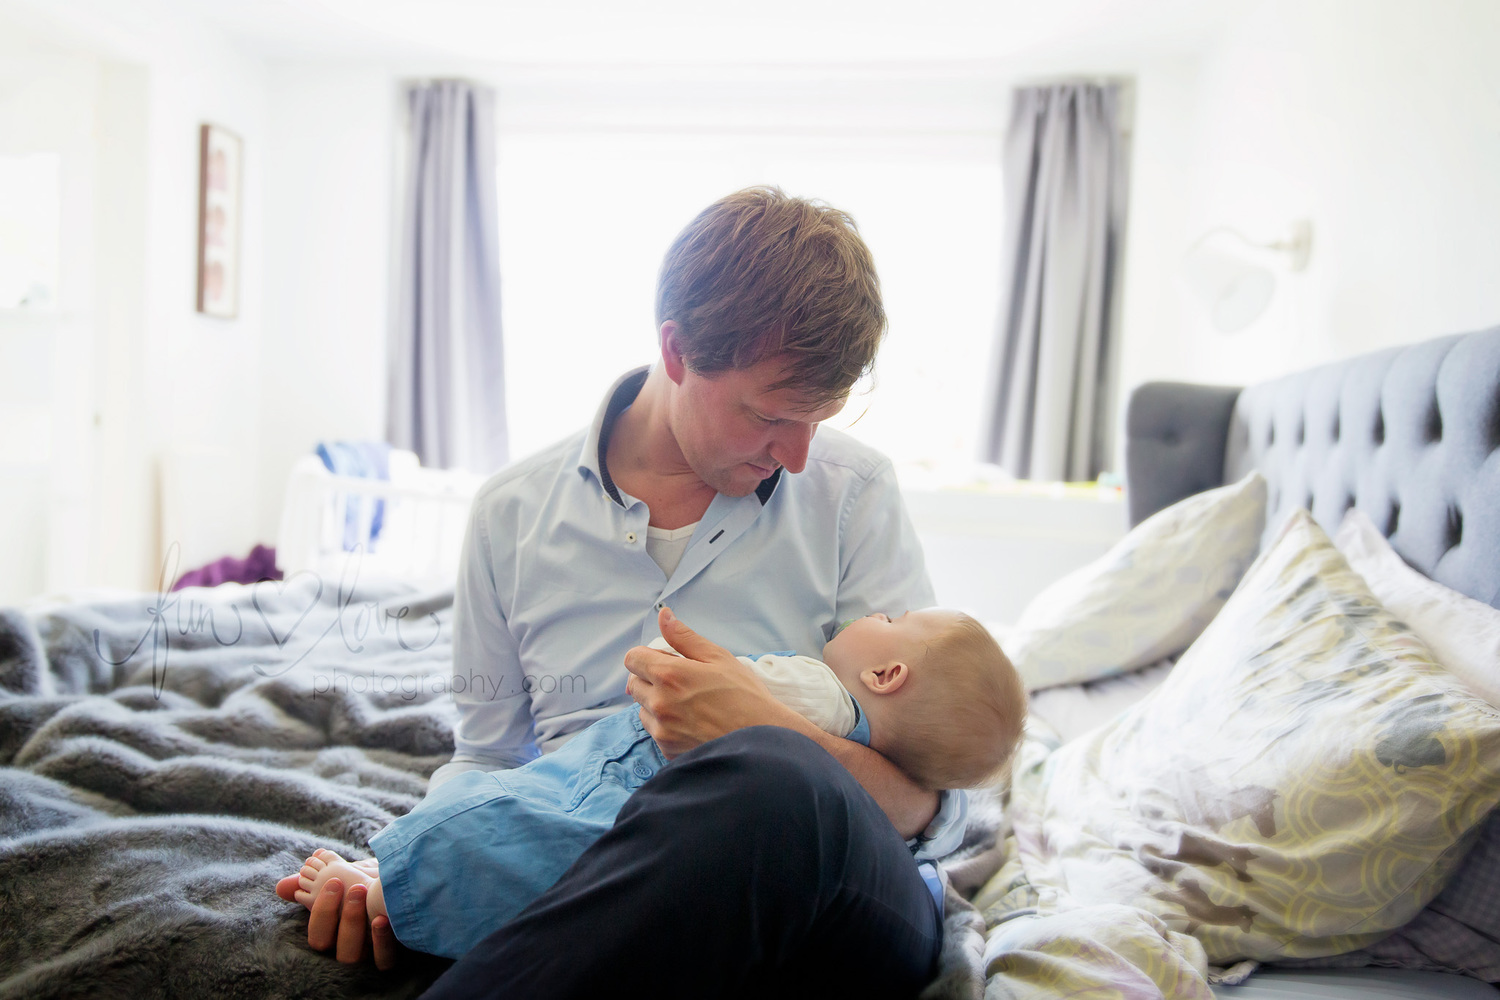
(930, 690)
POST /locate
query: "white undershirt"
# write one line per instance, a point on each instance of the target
(666, 547)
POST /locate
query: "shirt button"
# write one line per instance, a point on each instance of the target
(630, 537)
(642, 771)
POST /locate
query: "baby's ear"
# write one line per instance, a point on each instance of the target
(886, 679)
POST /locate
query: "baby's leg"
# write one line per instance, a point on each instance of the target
(325, 864)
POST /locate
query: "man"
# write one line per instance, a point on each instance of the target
(769, 855)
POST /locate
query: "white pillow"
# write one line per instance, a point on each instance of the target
(1148, 597)
(1074, 709)
(1464, 634)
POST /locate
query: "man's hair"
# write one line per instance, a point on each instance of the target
(965, 723)
(760, 274)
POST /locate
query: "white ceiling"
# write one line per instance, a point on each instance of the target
(701, 32)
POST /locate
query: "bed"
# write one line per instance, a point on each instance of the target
(164, 758)
(1409, 437)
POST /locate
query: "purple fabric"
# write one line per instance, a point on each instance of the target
(260, 564)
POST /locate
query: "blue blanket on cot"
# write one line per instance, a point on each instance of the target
(364, 460)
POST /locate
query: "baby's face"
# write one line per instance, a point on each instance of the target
(877, 640)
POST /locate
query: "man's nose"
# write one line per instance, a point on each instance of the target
(791, 444)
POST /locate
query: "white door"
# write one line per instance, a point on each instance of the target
(47, 396)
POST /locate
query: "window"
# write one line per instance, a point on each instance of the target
(589, 203)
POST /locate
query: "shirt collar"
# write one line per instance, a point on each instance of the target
(861, 731)
(596, 443)
(626, 388)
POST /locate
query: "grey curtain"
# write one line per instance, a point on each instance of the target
(447, 366)
(1050, 410)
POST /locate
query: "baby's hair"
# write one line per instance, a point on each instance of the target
(965, 726)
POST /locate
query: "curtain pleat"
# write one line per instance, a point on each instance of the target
(447, 362)
(1049, 407)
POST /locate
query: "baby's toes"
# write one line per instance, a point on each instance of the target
(327, 855)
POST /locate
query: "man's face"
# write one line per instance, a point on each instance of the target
(734, 432)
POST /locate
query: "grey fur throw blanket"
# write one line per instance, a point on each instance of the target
(165, 758)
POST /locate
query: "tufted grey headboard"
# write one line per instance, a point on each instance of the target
(1410, 435)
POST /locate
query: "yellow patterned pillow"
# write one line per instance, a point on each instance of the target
(1302, 784)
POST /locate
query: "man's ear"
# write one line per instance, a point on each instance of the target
(671, 352)
(885, 679)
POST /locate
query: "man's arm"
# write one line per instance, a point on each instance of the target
(909, 806)
(494, 711)
(706, 692)
(881, 563)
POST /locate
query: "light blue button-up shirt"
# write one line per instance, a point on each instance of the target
(555, 583)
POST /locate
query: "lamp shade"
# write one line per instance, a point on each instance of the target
(1236, 291)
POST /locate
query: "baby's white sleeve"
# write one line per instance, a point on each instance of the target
(810, 687)
(801, 683)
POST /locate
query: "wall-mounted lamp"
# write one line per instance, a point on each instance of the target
(1234, 275)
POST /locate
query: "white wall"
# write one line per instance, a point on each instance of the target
(122, 521)
(990, 554)
(1380, 122)
(164, 379)
(329, 216)
(202, 378)
(1377, 119)
(47, 107)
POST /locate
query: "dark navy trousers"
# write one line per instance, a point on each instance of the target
(751, 866)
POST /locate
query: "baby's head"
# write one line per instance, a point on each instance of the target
(944, 703)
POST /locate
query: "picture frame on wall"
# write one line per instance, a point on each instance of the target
(220, 156)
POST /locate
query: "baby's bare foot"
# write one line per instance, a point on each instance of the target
(368, 865)
(325, 864)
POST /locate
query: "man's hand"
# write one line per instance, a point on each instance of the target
(704, 693)
(340, 919)
(698, 696)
